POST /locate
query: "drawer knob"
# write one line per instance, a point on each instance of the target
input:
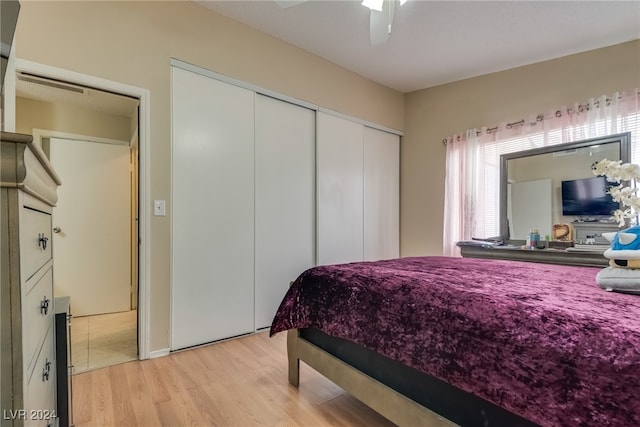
(57, 229)
(46, 370)
(42, 241)
(44, 306)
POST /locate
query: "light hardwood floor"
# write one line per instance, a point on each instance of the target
(103, 340)
(240, 382)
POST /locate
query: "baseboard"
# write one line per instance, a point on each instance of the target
(159, 353)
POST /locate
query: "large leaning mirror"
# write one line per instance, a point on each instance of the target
(531, 185)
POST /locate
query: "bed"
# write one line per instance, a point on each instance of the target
(441, 341)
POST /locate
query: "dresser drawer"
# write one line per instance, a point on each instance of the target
(37, 312)
(35, 241)
(40, 403)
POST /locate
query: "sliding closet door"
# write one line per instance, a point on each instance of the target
(213, 209)
(340, 190)
(284, 242)
(381, 195)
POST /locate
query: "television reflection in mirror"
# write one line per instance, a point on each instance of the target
(587, 198)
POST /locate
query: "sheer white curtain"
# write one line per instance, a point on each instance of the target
(473, 159)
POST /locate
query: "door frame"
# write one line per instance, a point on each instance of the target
(144, 225)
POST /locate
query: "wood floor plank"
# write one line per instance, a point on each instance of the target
(192, 370)
(212, 408)
(180, 410)
(102, 401)
(350, 410)
(123, 413)
(83, 409)
(139, 396)
(213, 357)
(240, 382)
(170, 376)
(153, 379)
(172, 414)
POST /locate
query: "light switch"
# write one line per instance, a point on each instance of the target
(159, 208)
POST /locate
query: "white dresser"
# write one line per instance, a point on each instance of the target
(27, 359)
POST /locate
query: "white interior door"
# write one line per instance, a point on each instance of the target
(285, 142)
(92, 259)
(340, 190)
(212, 210)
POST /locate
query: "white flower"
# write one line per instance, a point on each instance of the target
(619, 217)
(625, 194)
(609, 168)
(629, 171)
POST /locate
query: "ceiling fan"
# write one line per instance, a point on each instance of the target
(380, 16)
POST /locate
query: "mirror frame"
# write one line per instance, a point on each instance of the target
(625, 154)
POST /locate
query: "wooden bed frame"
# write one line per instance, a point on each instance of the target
(394, 406)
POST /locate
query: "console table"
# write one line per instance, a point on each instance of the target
(549, 256)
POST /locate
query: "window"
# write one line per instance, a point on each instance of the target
(473, 160)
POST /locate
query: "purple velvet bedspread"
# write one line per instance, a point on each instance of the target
(542, 341)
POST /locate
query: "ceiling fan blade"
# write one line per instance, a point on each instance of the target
(378, 27)
(289, 3)
(380, 22)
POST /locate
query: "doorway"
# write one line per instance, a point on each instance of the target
(136, 314)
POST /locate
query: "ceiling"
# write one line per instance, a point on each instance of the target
(436, 42)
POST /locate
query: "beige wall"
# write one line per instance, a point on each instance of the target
(132, 43)
(32, 114)
(435, 113)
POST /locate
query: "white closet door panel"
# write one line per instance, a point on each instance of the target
(213, 210)
(381, 195)
(284, 241)
(339, 190)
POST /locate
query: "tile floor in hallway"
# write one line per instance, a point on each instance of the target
(103, 340)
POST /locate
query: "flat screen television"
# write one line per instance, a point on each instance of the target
(587, 197)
